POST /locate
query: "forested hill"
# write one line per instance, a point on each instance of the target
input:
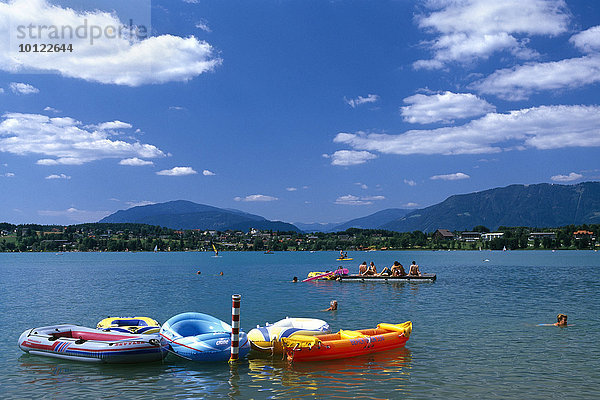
(182, 214)
(540, 205)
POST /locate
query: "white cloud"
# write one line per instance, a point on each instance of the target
(410, 182)
(443, 107)
(122, 59)
(208, 173)
(587, 41)
(8, 175)
(450, 177)
(291, 189)
(55, 176)
(519, 82)
(1, 90)
(177, 108)
(73, 214)
(113, 125)
(256, 198)
(411, 205)
(542, 128)
(202, 24)
(65, 139)
(22, 88)
(51, 109)
(362, 185)
(371, 98)
(351, 200)
(177, 171)
(139, 203)
(567, 178)
(350, 157)
(474, 29)
(135, 162)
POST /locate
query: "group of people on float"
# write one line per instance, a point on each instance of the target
(395, 270)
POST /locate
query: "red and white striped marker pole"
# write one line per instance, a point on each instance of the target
(235, 327)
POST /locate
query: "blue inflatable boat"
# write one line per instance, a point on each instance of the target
(201, 337)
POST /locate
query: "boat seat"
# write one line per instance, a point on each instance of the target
(301, 341)
(129, 322)
(346, 334)
(58, 335)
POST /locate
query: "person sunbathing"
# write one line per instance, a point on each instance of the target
(362, 268)
(398, 269)
(372, 269)
(414, 270)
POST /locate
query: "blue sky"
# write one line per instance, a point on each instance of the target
(301, 111)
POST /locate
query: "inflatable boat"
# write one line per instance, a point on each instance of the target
(73, 342)
(201, 337)
(268, 337)
(137, 325)
(346, 343)
(327, 275)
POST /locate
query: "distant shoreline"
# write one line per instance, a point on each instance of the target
(297, 251)
(129, 237)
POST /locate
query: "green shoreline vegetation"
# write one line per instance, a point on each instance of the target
(119, 237)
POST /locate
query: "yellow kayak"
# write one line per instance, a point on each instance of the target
(137, 325)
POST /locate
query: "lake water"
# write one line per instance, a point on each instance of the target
(475, 330)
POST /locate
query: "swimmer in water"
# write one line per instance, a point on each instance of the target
(561, 320)
(332, 306)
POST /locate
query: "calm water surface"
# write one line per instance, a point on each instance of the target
(475, 330)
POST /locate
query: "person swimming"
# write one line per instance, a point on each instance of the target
(332, 306)
(561, 320)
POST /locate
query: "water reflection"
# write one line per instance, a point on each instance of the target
(357, 377)
(72, 379)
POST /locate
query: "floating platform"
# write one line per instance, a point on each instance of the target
(371, 278)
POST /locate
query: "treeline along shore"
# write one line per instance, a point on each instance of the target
(141, 237)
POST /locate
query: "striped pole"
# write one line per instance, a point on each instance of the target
(235, 327)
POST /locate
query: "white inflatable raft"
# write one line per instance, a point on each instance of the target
(268, 338)
(73, 342)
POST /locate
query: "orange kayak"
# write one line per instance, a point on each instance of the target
(347, 343)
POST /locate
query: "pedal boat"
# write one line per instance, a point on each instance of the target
(201, 337)
(139, 325)
(73, 342)
(345, 343)
(268, 338)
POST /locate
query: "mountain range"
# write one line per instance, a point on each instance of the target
(539, 205)
(182, 214)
